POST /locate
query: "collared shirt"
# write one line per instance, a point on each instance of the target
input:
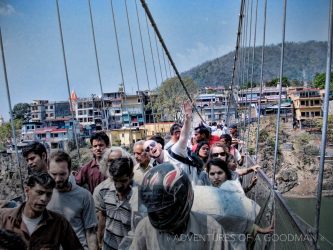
(202, 232)
(90, 174)
(118, 214)
(51, 232)
(139, 172)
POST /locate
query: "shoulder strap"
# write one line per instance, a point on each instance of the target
(182, 159)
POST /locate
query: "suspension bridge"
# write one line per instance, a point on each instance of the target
(159, 65)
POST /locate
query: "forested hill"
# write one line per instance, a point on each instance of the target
(302, 61)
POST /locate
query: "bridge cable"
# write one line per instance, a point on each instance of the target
(11, 114)
(252, 73)
(239, 32)
(274, 186)
(151, 19)
(98, 69)
(67, 80)
(144, 58)
(325, 123)
(134, 64)
(248, 66)
(165, 68)
(244, 53)
(158, 58)
(119, 60)
(261, 78)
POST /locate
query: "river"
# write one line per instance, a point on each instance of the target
(305, 208)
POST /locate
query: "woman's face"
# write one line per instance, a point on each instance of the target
(216, 176)
(218, 152)
(232, 165)
(204, 151)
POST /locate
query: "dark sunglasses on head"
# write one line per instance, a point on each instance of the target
(150, 146)
(219, 154)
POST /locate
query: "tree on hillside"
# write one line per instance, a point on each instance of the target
(274, 82)
(6, 131)
(170, 98)
(319, 81)
(21, 111)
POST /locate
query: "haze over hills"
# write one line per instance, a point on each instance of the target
(302, 61)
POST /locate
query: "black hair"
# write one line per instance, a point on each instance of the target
(203, 130)
(11, 241)
(121, 166)
(60, 156)
(199, 146)
(41, 178)
(100, 136)
(227, 138)
(36, 148)
(174, 127)
(219, 163)
(158, 139)
(214, 124)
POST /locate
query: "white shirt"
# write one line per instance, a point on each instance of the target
(31, 223)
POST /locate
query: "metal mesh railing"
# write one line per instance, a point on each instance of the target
(290, 232)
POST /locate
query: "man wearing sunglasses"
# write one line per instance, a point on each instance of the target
(178, 153)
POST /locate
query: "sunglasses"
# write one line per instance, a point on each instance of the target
(150, 146)
(219, 154)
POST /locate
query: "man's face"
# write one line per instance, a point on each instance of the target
(176, 134)
(232, 130)
(153, 148)
(198, 137)
(140, 155)
(35, 162)
(98, 147)
(60, 173)
(38, 197)
(122, 183)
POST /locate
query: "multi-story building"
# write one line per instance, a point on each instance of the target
(214, 107)
(269, 95)
(307, 103)
(42, 110)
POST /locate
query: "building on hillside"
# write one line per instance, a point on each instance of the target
(28, 130)
(126, 137)
(214, 107)
(42, 110)
(307, 103)
(2, 120)
(269, 95)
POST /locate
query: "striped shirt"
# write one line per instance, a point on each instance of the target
(118, 213)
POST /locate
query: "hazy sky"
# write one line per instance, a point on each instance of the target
(194, 30)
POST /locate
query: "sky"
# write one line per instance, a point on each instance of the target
(194, 31)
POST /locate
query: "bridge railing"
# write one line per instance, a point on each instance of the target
(290, 232)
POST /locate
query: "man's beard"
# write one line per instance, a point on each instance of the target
(62, 184)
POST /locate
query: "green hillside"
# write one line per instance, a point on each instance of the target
(302, 61)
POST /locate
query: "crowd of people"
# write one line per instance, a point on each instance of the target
(138, 200)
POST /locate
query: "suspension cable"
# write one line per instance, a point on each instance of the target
(242, 135)
(149, 15)
(144, 57)
(325, 123)
(119, 61)
(239, 32)
(252, 72)
(11, 114)
(97, 64)
(158, 58)
(134, 62)
(165, 68)
(248, 67)
(261, 78)
(280, 90)
(67, 80)
(151, 51)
